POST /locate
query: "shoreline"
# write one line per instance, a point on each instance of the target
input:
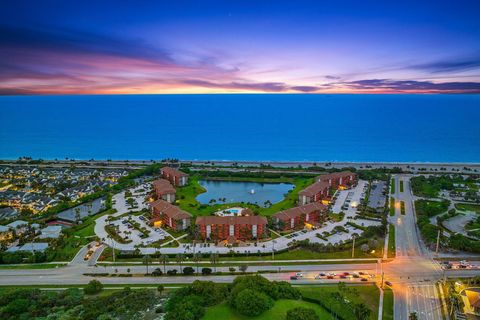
(405, 166)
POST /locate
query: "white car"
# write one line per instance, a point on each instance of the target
(299, 274)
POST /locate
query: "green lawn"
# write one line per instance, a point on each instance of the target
(468, 207)
(392, 206)
(392, 186)
(223, 311)
(402, 207)
(186, 196)
(387, 304)
(368, 294)
(391, 241)
(401, 185)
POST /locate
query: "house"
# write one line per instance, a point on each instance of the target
(50, 232)
(8, 212)
(166, 214)
(309, 215)
(17, 224)
(318, 191)
(471, 300)
(5, 233)
(232, 228)
(176, 177)
(30, 246)
(164, 190)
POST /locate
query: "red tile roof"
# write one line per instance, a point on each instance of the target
(297, 211)
(163, 186)
(315, 188)
(173, 172)
(170, 210)
(248, 220)
(335, 175)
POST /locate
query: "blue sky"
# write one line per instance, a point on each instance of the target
(59, 47)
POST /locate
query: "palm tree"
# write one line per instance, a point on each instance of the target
(179, 258)
(361, 311)
(196, 258)
(147, 260)
(214, 259)
(163, 259)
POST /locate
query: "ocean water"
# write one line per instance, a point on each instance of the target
(298, 127)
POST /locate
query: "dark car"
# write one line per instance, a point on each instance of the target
(329, 277)
(364, 279)
(388, 283)
(293, 278)
(343, 276)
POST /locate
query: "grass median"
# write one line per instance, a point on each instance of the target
(391, 241)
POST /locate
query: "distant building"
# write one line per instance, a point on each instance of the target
(339, 180)
(166, 214)
(318, 191)
(232, 228)
(176, 177)
(50, 232)
(309, 215)
(164, 190)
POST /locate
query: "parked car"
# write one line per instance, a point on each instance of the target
(388, 283)
(299, 274)
(364, 279)
(293, 278)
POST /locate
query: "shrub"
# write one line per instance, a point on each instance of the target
(301, 314)
(160, 288)
(93, 287)
(252, 303)
(206, 271)
(157, 272)
(188, 271)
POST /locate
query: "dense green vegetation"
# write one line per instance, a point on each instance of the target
(431, 186)
(72, 304)
(401, 185)
(431, 208)
(392, 186)
(247, 296)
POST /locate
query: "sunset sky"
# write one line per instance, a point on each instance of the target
(111, 47)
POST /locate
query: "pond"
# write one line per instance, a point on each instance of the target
(263, 194)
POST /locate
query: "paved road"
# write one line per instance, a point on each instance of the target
(414, 261)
